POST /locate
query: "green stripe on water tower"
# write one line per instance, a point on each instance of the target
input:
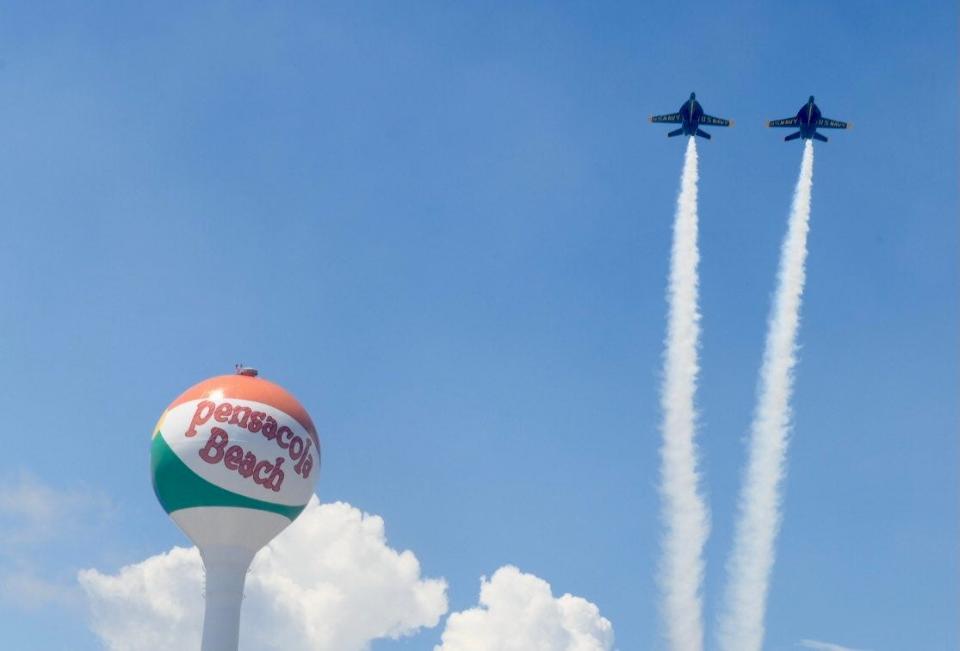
(177, 487)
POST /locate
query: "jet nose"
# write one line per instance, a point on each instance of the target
(811, 98)
(693, 96)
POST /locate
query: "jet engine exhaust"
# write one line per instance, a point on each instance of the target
(752, 558)
(684, 511)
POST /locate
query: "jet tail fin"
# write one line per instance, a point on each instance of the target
(703, 134)
(676, 132)
(820, 137)
(792, 136)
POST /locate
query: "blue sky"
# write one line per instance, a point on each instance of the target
(446, 229)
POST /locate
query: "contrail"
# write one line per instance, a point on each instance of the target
(684, 511)
(741, 624)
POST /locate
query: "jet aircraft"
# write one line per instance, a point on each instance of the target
(691, 116)
(808, 120)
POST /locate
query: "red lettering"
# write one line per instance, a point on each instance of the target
(275, 480)
(212, 451)
(299, 467)
(200, 416)
(266, 474)
(217, 447)
(270, 427)
(231, 460)
(307, 465)
(248, 465)
(296, 448)
(237, 419)
(257, 476)
(223, 412)
(280, 434)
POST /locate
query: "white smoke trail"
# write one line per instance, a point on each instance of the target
(684, 511)
(741, 624)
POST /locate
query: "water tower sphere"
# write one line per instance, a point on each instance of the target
(234, 460)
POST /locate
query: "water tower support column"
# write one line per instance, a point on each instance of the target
(226, 571)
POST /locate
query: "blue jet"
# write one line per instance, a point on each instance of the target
(691, 116)
(808, 120)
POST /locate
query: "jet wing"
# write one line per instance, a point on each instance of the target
(785, 122)
(715, 122)
(827, 123)
(672, 118)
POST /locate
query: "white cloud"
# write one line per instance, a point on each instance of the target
(329, 582)
(824, 646)
(518, 612)
(154, 604)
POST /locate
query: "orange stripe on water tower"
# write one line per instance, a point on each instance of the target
(244, 387)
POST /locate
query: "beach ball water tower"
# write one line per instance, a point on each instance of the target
(234, 460)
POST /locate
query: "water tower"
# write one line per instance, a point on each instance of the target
(234, 460)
